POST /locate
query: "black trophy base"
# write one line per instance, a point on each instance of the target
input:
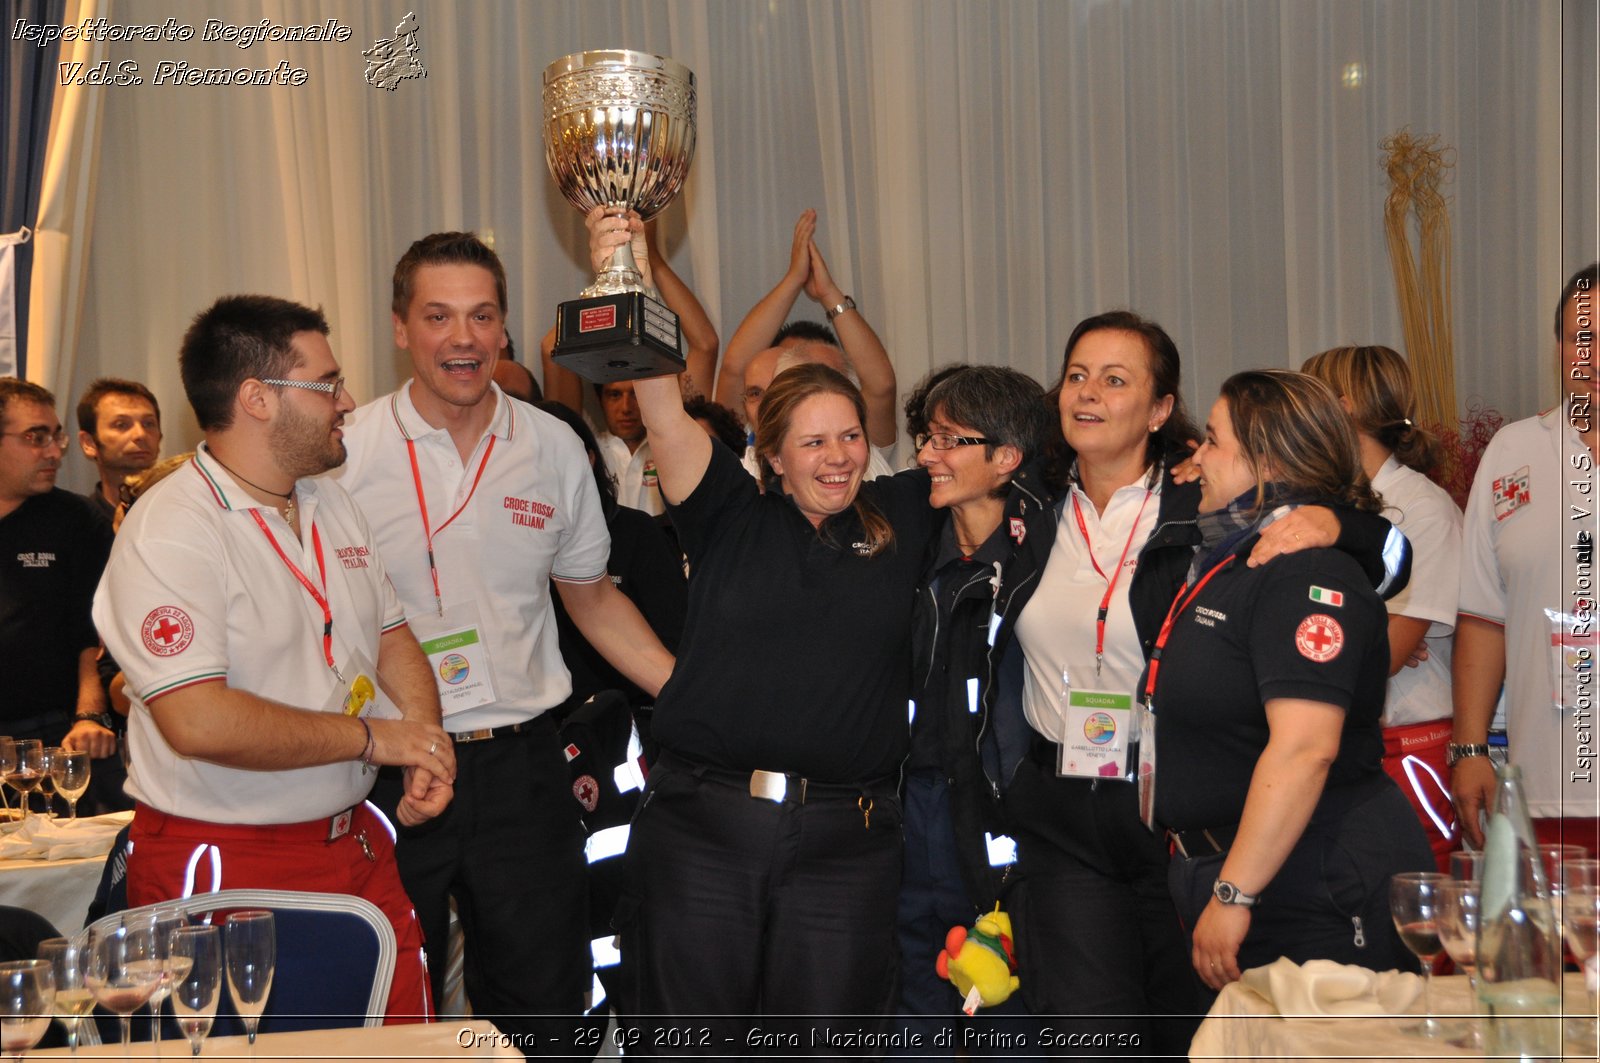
(617, 337)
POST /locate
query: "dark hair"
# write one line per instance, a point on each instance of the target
(791, 388)
(728, 430)
(1383, 403)
(1165, 378)
(88, 419)
(444, 249)
(1584, 280)
(239, 338)
(603, 479)
(810, 331)
(13, 389)
(1294, 423)
(916, 405)
(1002, 405)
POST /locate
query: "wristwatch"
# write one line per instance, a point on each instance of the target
(848, 304)
(101, 718)
(1455, 751)
(1227, 893)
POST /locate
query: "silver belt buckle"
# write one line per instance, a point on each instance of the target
(768, 785)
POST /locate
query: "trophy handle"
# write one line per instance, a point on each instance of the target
(622, 272)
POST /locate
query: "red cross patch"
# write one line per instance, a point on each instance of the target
(1019, 530)
(1319, 638)
(167, 631)
(1510, 493)
(587, 791)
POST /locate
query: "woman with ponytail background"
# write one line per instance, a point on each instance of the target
(1374, 385)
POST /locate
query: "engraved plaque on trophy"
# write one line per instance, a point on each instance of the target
(619, 134)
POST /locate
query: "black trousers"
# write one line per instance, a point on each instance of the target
(1102, 952)
(747, 918)
(1330, 899)
(510, 850)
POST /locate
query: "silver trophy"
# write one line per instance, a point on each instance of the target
(619, 134)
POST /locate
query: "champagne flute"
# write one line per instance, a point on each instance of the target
(27, 988)
(251, 948)
(24, 774)
(195, 994)
(46, 764)
(1414, 904)
(1581, 928)
(70, 772)
(1466, 864)
(123, 971)
(8, 763)
(73, 999)
(1458, 930)
(163, 922)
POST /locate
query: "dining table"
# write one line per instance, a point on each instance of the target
(1244, 1025)
(53, 867)
(464, 1039)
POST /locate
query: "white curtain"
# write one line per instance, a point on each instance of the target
(987, 172)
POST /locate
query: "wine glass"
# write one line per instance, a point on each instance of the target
(46, 765)
(123, 970)
(1414, 904)
(27, 988)
(73, 999)
(163, 922)
(1458, 931)
(70, 772)
(251, 947)
(1581, 928)
(195, 994)
(25, 772)
(8, 763)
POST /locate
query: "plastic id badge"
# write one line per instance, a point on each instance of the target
(1145, 721)
(459, 658)
(1572, 653)
(1095, 734)
(357, 692)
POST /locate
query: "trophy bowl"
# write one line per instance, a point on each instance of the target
(619, 133)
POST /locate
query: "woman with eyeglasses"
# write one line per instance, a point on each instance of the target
(1098, 935)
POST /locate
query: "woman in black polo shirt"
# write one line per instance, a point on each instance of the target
(766, 852)
(1267, 685)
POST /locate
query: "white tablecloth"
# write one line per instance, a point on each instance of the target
(1244, 1025)
(60, 890)
(440, 1040)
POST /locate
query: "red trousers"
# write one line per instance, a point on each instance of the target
(170, 857)
(1414, 757)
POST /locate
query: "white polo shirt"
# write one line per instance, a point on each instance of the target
(1522, 520)
(522, 509)
(196, 592)
(1057, 627)
(637, 484)
(1428, 516)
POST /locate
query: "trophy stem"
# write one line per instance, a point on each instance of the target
(621, 273)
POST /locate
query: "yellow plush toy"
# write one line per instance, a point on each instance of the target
(982, 963)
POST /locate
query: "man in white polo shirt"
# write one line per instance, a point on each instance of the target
(269, 661)
(480, 506)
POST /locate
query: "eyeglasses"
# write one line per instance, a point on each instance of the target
(326, 387)
(946, 441)
(40, 438)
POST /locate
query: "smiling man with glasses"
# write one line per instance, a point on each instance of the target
(53, 546)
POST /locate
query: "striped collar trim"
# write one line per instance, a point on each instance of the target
(224, 488)
(411, 424)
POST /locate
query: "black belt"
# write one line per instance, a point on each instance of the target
(1202, 841)
(483, 734)
(778, 786)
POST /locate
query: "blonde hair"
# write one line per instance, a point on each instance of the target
(1383, 404)
(778, 406)
(1292, 424)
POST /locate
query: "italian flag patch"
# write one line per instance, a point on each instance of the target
(1324, 596)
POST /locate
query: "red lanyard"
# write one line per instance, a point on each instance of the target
(422, 505)
(1179, 604)
(320, 597)
(1111, 581)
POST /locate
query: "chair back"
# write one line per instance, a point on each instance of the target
(335, 960)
